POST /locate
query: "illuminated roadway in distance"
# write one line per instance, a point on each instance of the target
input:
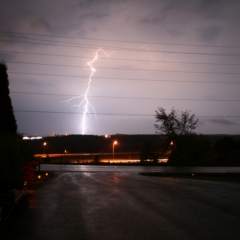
(104, 157)
(76, 154)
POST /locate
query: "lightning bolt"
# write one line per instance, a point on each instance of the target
(85, 102)
(147, 48)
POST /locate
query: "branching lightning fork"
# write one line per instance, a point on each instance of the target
(85, 102)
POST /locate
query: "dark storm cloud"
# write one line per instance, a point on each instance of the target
(150, 20)
(221, 121)
(219, 10)
(211, 33)
(40, 24)
(211, 9)
(89, 3)
(204, 9)
(209, 22)
(170, 7)
(160, 12)
(174, 32)
(94, 15)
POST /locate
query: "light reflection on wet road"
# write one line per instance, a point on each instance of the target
(135, 169)
(106, 205)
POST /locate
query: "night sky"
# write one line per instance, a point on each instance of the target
(159, 53)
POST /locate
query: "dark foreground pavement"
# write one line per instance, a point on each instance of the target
(126, 206)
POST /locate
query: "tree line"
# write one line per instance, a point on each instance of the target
(183, 147)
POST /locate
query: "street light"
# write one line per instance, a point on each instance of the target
(114, 143)
(44, 145)
(40, 160)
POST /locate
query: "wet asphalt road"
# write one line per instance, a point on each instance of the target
(135, 169)
(78, 205)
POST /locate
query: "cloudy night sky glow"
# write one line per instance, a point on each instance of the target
(163, 53)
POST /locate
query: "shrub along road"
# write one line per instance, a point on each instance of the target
(85, 205)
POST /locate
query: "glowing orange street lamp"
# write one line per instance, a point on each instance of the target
(44, 145)
(114, 143)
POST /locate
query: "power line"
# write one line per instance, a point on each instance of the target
(124, 41)
(104, 114)
(123, 59)
(121, 79)
(54, 41)
(86, 45)
(69, 65)
(128, 69)
(113, 114)
(46, 54)
(130, 98)
(133, 50)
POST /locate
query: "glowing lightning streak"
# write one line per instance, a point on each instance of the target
(146, 47)
(85, 102)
